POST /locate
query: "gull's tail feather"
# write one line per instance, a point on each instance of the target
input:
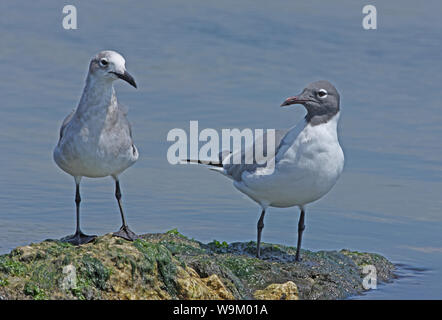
(205, 162)
(213, 166)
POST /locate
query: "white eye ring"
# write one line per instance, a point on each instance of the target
(103, 62)
(322, 93)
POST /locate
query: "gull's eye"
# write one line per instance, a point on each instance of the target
(322, 93)
(103, 62)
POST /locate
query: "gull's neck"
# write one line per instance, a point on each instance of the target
(330, 126)
(314, 118)
(98, 97)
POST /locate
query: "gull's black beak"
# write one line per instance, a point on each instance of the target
(293, 100)
(126, 77)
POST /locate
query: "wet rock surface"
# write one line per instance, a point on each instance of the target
(172, 266)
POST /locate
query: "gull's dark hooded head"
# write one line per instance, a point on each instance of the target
(320, 98)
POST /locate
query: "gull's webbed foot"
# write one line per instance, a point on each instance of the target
(126, 233)
(78, 238)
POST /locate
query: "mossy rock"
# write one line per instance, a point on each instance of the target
(172, 266)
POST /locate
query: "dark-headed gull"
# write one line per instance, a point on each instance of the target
(308, 159)
(96, 138)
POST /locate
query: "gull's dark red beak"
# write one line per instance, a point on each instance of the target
(293, 100)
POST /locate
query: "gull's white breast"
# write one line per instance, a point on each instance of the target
(308, 164)
(96, 146)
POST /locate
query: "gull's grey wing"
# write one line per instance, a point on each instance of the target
(236, 170)
(122, 115)
(124, 123)
(66, 122)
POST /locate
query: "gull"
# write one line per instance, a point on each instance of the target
(96, 138)
(308, 159)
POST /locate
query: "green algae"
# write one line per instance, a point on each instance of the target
(11, 266)
(3, 282)
(94, 272)
(153, 267)
(218, 244)
(33, 290)
(241, 267)
(157, 256)
(181, 248)
(175, 232)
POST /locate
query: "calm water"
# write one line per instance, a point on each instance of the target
(229, 64)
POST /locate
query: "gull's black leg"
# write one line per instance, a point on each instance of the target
(79, 237)
(124, 231)
(260, 227)
(77, 205)
(301, 228)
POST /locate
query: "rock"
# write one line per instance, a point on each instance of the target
(171, 266)
(191, 286)
(278, 291)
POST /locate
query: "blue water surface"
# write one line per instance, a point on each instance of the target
(229, 64)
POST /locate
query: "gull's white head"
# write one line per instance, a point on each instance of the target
(110, 65)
